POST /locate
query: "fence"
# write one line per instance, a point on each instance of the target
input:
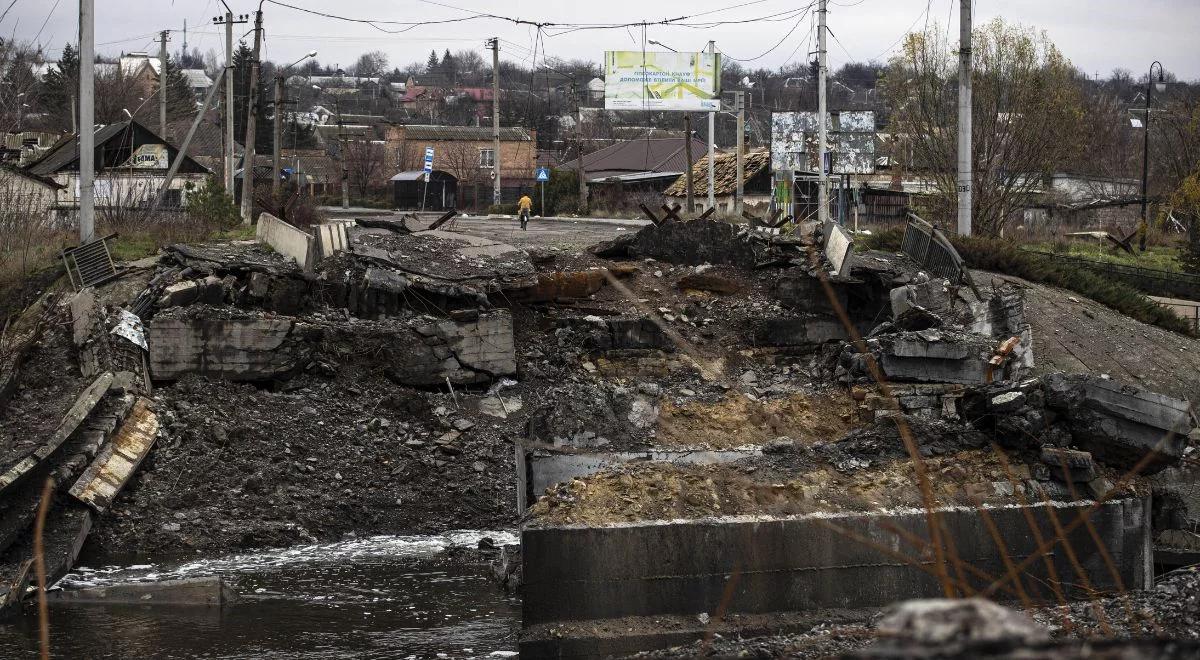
(1155, 282)
(1187, 310)
(932, 250)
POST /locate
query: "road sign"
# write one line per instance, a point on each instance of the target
(543, 174)
(428, 159)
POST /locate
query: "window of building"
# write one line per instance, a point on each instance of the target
(487, 157)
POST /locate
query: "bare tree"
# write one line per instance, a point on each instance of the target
(364, 161)
(371, 65)
(1026, 110)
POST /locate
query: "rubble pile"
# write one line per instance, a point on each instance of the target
(689, 370)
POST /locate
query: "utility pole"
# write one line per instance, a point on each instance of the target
(822, 119)
(251, 114)
(337, 106)
(712, 144)
(582, 170)
(162, 83)
(495, 44)
(964, 118)
(227, 107)
(87, 120)
(276, 184)
(739, 106)
(687, 152)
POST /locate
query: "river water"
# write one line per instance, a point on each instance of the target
(378, 597)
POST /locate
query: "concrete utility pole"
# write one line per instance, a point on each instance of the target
(712, 145)
(739, 106)
(822, 119)
(337, 106)
(495, 44)
(687, 152)
(227, 107)
(162, 84)
(583, 188)
(276, 184)
(251, 114)
(964, 118)
(87, 121)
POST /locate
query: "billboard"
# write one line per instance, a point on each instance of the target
(794, 137)
(149, 157)
(637, 80)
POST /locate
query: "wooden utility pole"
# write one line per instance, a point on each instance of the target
(251, 115)
(964, 118)
(162, 84)
(87, 120)
(687, 152)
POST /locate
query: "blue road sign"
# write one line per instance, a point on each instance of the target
(543, 174)
(428, 159)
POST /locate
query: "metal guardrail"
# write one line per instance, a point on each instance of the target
(1154, 281)
(927, 246)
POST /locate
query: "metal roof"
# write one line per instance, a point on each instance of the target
(641, 155)
(419, 175)
(472, 133)
(64, 156)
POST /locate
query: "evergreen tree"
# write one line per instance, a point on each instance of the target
(61, 86)
(431, 65)
(449, 67)
(241, 101)
(181, 102)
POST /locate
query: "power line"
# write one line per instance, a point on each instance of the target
(905, 32)
(778, 43)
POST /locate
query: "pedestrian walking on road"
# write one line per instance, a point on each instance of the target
(523, 208)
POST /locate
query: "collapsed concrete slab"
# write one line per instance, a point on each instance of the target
(241, 347)
(695, 243)
(119, 459)
(596, 576)
(189, 592)
(1121, 425)
(933, 356)
(422, 352)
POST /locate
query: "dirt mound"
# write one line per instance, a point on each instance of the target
(737, 420)
(238, 466)
(764, 486)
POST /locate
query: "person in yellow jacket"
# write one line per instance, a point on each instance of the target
(524, 206)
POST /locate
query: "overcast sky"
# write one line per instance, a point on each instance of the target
(1097, 35)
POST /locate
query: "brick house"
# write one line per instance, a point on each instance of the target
(468, 153)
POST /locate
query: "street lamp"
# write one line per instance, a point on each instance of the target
(276, 183)
(1151, 86)
(659, 43)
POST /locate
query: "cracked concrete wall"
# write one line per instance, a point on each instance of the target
(423, 353)
(234, 349)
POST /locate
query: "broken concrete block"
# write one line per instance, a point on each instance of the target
(202, 591)
(250, 348)
(1120, 425)
(802, 331)
(936, 357)
(1069, 464)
